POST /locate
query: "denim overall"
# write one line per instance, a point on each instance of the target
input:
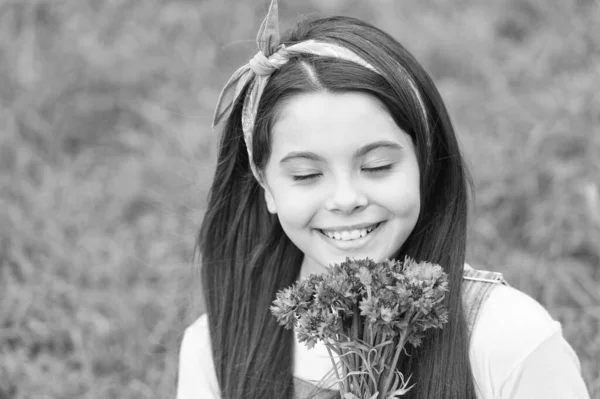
(477, 286)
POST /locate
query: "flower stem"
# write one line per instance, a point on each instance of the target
(388, 380)
(355, 336)
(334, 365)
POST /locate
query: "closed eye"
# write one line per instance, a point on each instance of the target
(378, 168)
(306, 177)
(316, 175)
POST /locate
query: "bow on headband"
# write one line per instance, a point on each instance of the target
(268, 43)
(271, 56)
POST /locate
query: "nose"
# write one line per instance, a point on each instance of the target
(346, 197)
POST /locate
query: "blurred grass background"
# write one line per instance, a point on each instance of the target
(106, 156)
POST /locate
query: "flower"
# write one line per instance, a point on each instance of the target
(366, 312)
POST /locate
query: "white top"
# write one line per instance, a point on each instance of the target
(517, 351)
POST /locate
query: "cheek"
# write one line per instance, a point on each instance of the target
(405, 203)
(400, 194)
(296, 208)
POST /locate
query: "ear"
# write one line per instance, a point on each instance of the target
(270, 201)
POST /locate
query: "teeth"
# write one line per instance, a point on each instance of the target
(349, 234)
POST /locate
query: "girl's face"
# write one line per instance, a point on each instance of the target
(343, 178)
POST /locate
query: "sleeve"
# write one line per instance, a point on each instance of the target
(552, 370)
(518, 351)
(196, 377)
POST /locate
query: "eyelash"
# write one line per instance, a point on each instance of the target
(369, 170)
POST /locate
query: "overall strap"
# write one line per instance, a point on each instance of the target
(477, 286)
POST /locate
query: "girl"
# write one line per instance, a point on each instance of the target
(338, 144)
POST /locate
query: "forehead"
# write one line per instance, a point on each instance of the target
(332, 122)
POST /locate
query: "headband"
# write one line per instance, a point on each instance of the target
(271, 56)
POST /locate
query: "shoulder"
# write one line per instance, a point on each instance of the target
(199, 328)
(512, 317)
(500, 306)
(510, 327)
(196, 340)
(196, 376)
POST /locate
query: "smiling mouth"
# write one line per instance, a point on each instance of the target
(350, 235)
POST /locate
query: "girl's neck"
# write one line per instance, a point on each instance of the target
(309, 266)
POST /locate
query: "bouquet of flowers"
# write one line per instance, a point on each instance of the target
(365, 313)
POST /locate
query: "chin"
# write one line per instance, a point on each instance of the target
(358, 256)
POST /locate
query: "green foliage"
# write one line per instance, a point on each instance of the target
(106, 155)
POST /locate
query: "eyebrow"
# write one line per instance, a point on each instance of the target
(358, 153)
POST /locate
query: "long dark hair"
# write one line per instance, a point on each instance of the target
(247, 258)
